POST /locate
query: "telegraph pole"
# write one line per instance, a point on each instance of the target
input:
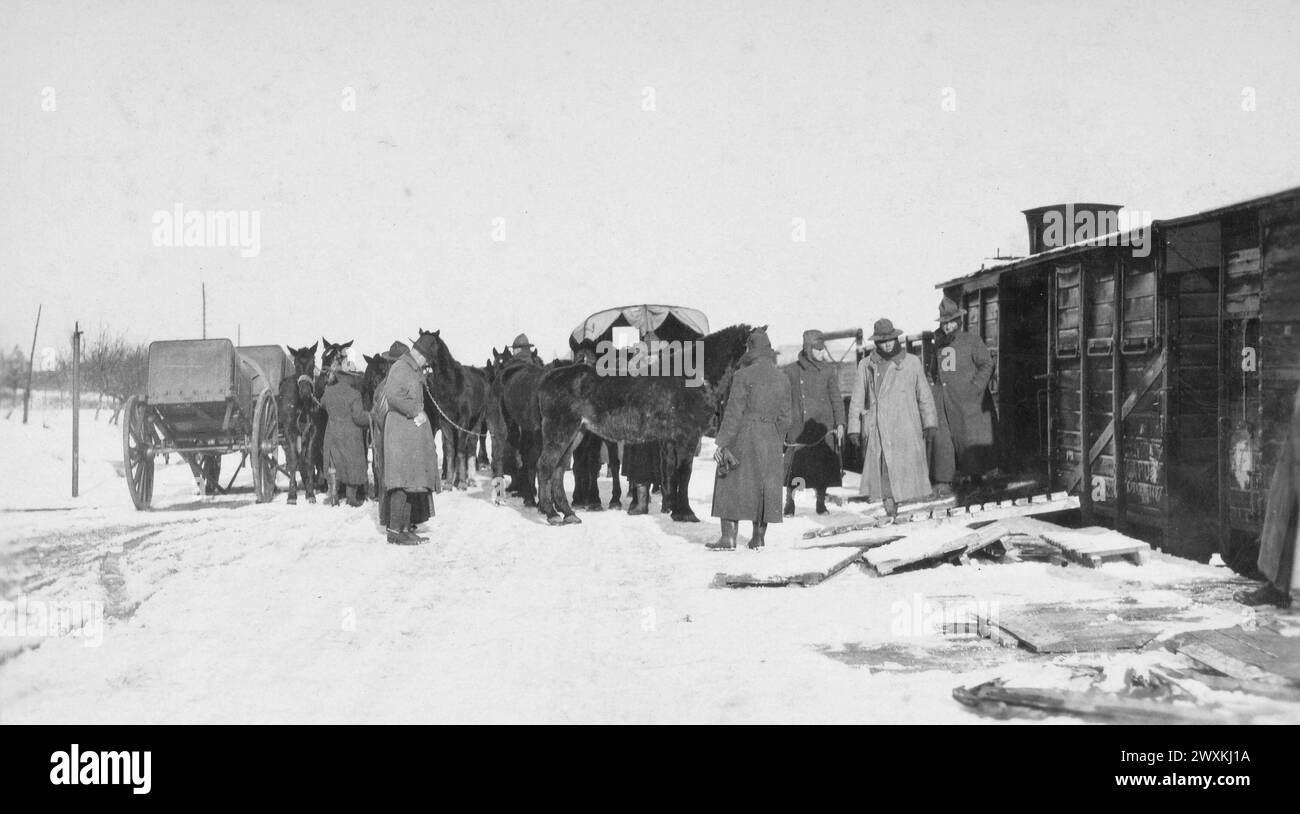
(31, 360)
(76, 408)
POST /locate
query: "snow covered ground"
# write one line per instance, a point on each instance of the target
(218, 609)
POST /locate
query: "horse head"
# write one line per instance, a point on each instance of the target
(376, 371)
(304, 368)
(723, 351)
(333, 354)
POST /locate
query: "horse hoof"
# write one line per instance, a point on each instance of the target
(311, 499)
(555, 520)
(292, 500)
(685, 517)
(616, 504)
(571, 520)
(530, 503)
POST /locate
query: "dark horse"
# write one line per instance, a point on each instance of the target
(586, 456)
(332, 355)
(515, 424)
(577, 399)
(456, 397)
(297, 405)
(376, 371)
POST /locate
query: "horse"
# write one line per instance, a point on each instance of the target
(575, 400)
(515, 423)
(332, 355)
(586, 456)
(483, 463)
(297, 405)
(376, 371)
(458, 395)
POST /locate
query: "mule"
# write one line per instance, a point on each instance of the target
(576, 400)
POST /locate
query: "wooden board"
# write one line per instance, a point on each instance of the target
(1251, 655)
(932, 544)
(1094, 545)
(778, 568)
(996, 698)
(960, 515)
(1070, 628)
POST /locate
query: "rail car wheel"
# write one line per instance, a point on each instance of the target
(138, 440)
(266, 450)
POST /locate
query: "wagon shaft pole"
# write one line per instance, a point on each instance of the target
(31, 360)
(76, 406)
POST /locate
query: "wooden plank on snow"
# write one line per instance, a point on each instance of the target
(1071, 629)
(777, 568)
(1093, 545)
(1255, 655)
(1056, 502)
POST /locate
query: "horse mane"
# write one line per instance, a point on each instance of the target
(723, 350)
(443, 367)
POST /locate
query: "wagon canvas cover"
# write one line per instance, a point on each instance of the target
(644, 318)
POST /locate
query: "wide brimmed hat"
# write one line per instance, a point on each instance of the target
(884, 330)
(950, 310)
(396, 351)
(521, 341)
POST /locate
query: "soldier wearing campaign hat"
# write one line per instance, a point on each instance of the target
(892, 412)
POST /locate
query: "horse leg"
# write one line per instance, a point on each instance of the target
(448, 453)
(290, 460)
(685, 455)
(667, 476)
(481, 460)
(616, 499)
(465, 454)
(529, 472)
(305, 466)
(318, 448)
(557, 440)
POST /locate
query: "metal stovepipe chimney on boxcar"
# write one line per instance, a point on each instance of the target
(1051, 227)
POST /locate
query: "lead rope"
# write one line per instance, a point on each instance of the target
(446, 417)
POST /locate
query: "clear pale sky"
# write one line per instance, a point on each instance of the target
(379, 221)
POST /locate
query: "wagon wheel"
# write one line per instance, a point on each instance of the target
(265, 451)
(138, 440)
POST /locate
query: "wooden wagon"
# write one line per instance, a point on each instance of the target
(204, 398)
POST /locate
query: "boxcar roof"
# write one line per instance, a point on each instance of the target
(1116, 237)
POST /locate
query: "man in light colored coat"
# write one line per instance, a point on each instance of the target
(892, 411)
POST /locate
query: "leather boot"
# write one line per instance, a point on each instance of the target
(1265, 594)
(788, 511)
(640, 499)
(760, 532)
(821, 502)
(727, 542)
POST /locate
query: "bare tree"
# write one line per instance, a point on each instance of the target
(113, 367)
